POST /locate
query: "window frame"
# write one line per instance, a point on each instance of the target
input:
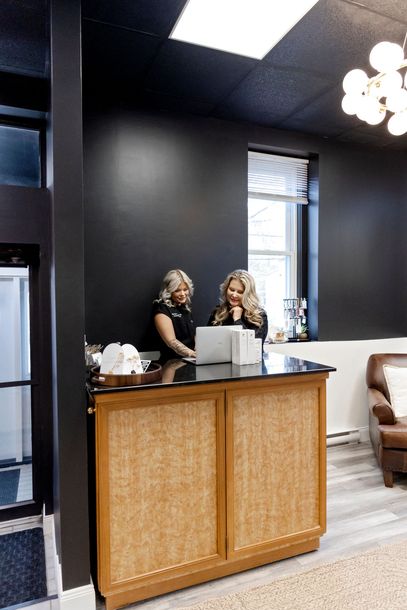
(30, 254)
(296, 232)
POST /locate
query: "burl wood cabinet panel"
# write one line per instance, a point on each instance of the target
(160, 485)
(275, 467)
(197, 482)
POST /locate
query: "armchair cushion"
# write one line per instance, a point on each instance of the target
(396, 379)
(394, 436)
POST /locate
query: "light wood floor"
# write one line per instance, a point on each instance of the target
(362, 514)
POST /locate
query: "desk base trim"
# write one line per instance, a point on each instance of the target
(123, 598)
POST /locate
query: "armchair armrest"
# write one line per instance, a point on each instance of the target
(380, 407)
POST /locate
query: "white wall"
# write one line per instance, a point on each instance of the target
(346, 388)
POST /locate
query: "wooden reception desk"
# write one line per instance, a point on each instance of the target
(213, 470)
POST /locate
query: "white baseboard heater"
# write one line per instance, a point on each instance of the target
(342, 438)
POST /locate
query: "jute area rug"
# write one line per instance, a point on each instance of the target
(375, 580)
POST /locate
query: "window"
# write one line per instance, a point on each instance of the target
(276, 185)
(20, 156)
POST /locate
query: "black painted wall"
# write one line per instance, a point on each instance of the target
(159, 194)
(363, 248)
(167, 191)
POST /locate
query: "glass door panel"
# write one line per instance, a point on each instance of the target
(15, 387)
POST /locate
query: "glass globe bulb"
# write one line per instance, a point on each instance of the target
(355, 81)
(397, 101)
(386, 56)
(375, 117)
(352, 102)
(389, 84)
(397, 125)
(370, 111)
(363, 109)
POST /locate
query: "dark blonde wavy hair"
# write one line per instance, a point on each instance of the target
(250, 300)
(171, 281)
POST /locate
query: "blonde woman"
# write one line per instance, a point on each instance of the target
(173, 317)
(239, 305)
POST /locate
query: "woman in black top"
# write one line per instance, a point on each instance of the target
(239, 305)
(173, 317)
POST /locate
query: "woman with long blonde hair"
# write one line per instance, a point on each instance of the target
(173, 317)
(239, 305)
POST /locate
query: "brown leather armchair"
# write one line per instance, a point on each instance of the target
(387, 433)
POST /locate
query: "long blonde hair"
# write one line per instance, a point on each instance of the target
(250, 300)
(171, 281)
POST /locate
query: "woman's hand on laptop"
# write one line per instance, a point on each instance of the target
(181, 349)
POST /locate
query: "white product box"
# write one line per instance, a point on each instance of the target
(250, 347)
(258, 351)
(246, 349)
(239, 346)
(254, 348)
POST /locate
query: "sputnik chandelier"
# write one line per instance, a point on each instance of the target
(371, 98)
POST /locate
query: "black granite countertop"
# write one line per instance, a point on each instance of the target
(178, 372)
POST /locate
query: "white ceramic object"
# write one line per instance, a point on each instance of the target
(112, 359)
(132, 362)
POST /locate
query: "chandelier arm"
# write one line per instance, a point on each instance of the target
(374, 81)
(377, 78)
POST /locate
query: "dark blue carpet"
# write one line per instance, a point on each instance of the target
(22, 567)
(9, 480)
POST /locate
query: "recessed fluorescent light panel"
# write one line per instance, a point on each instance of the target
(244, 27)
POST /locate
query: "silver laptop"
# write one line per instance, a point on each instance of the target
(213, 344)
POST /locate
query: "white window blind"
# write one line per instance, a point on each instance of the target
(278, 178)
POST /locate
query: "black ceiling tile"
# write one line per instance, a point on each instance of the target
(334, 37)
(324, 128)
(396, 9)
(379, 131)
(272, 92)
(114, 54)
(297, 86)
(153, 16)
(185, 70)
(24, 37)
(377, 134)
(398, 143)
(324, 115)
